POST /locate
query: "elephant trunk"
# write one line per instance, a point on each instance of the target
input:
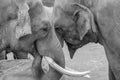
(51, 50)
(50, 47)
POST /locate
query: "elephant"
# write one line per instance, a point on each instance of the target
(17, 54)
(48, 45)
(15, 35)
(14, 23)
(78, 22)
(41, 40)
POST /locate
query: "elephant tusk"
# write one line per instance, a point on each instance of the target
(65, 71)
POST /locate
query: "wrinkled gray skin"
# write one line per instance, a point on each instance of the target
(42, 40)
(99, 22)
(48, 45)
(21, 54)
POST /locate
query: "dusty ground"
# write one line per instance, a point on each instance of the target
(90, 57)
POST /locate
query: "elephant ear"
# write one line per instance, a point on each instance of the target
(84, 20)
(71, 50)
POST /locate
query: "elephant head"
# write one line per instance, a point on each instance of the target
(47, 44)
(41, 37)
(74, 24)
(82, 21)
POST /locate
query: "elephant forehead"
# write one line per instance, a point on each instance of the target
(64, 22)
(66, 5)
(40, 22)
(42, 18)
(61, 17)
(38, 19)
(63, 3)
(39, 14)
(92, 4)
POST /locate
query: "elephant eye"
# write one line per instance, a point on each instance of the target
(46, 27)
(59, 30)
(42, 28)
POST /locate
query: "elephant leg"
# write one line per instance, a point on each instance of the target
(20, 55)
(111, 74)
(3, 55)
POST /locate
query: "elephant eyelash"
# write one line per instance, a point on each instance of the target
(59, 30)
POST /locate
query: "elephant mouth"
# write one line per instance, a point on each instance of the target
(47, 61)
